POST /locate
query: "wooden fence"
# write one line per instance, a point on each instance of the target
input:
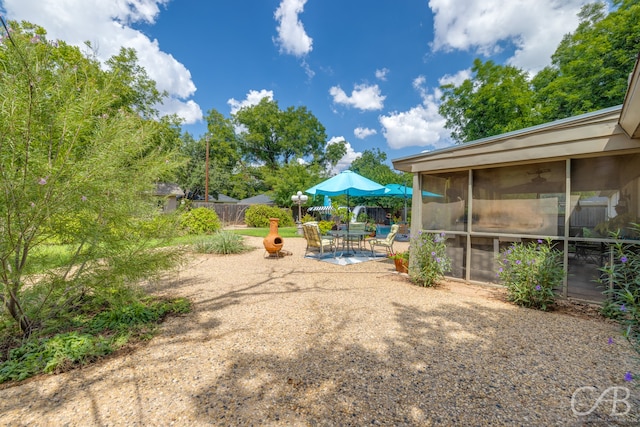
(229, 213)
(233, 214)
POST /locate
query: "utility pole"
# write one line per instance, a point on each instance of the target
(206, 173)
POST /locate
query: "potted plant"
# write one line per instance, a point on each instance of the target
(401, 260)
(371, 228)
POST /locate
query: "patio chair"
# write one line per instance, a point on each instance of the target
(387, 242)
(316, 241)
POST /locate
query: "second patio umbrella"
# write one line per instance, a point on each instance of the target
(399, 190)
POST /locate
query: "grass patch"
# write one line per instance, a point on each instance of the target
(92, 337)
(47, 257)
(98, 327)
(223, 242)
(284, 232)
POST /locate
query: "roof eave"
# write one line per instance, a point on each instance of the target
(508, 140)
(630, 115)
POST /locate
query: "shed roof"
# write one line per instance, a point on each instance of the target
(168, 189)
(222, 198)
(261, 199)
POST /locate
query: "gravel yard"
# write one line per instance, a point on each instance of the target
(294, 341)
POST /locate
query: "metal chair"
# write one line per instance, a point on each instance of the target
(316, 241)
(387, 242)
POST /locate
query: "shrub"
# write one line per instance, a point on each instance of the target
(429, 260)
(400, 255)
(531, 271)
(306, 218)
(223, 242)
(200, 221)
(325, 226)
(258, 216)
(623, 303)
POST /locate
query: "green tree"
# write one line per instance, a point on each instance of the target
(131, 85)
(591, 66)
(276, 137)
(224, 156)
(334, 152)
(371, 164)
(79, 160)
(247, 181)
(495, 100)
(290, 179)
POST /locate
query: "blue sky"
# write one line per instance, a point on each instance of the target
(369, 70)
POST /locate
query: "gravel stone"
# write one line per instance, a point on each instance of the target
(297, 342)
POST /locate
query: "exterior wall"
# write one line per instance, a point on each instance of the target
(484, 210)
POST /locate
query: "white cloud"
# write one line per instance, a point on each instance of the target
(345, 162)
(534, 27)
(363, 97)
(106, 25)
(420, 126)
(362, 133)
(455, 79)
(190, 111)
(292, 37)
(253, 98)
(382, 74)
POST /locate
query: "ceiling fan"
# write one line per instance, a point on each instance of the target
(538, 179)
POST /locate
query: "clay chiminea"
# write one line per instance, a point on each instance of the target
(273, 242)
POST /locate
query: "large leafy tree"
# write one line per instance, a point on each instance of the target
(496, 99)
(591, 66)
(334, 152)
(290, 179)
(79, 157)
(274, 137)
(371, 164)
(589, 71)
(224, 156)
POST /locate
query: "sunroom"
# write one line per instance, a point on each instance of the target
(574, 181)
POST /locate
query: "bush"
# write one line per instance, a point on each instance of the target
(325, 226)
(531, 272)
(200, 221)
(429, 260)
(258, 216)
(623, 303)
(223, 242)
(307, 218)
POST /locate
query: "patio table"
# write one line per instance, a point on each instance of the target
(343, 234)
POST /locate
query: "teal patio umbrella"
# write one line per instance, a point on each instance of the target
(348, 183)
(399, 190)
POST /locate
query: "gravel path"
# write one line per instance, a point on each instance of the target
(294, 341)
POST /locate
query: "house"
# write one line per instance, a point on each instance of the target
(168, 194)
(572, 180)
(222, 198)
(261, 199)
